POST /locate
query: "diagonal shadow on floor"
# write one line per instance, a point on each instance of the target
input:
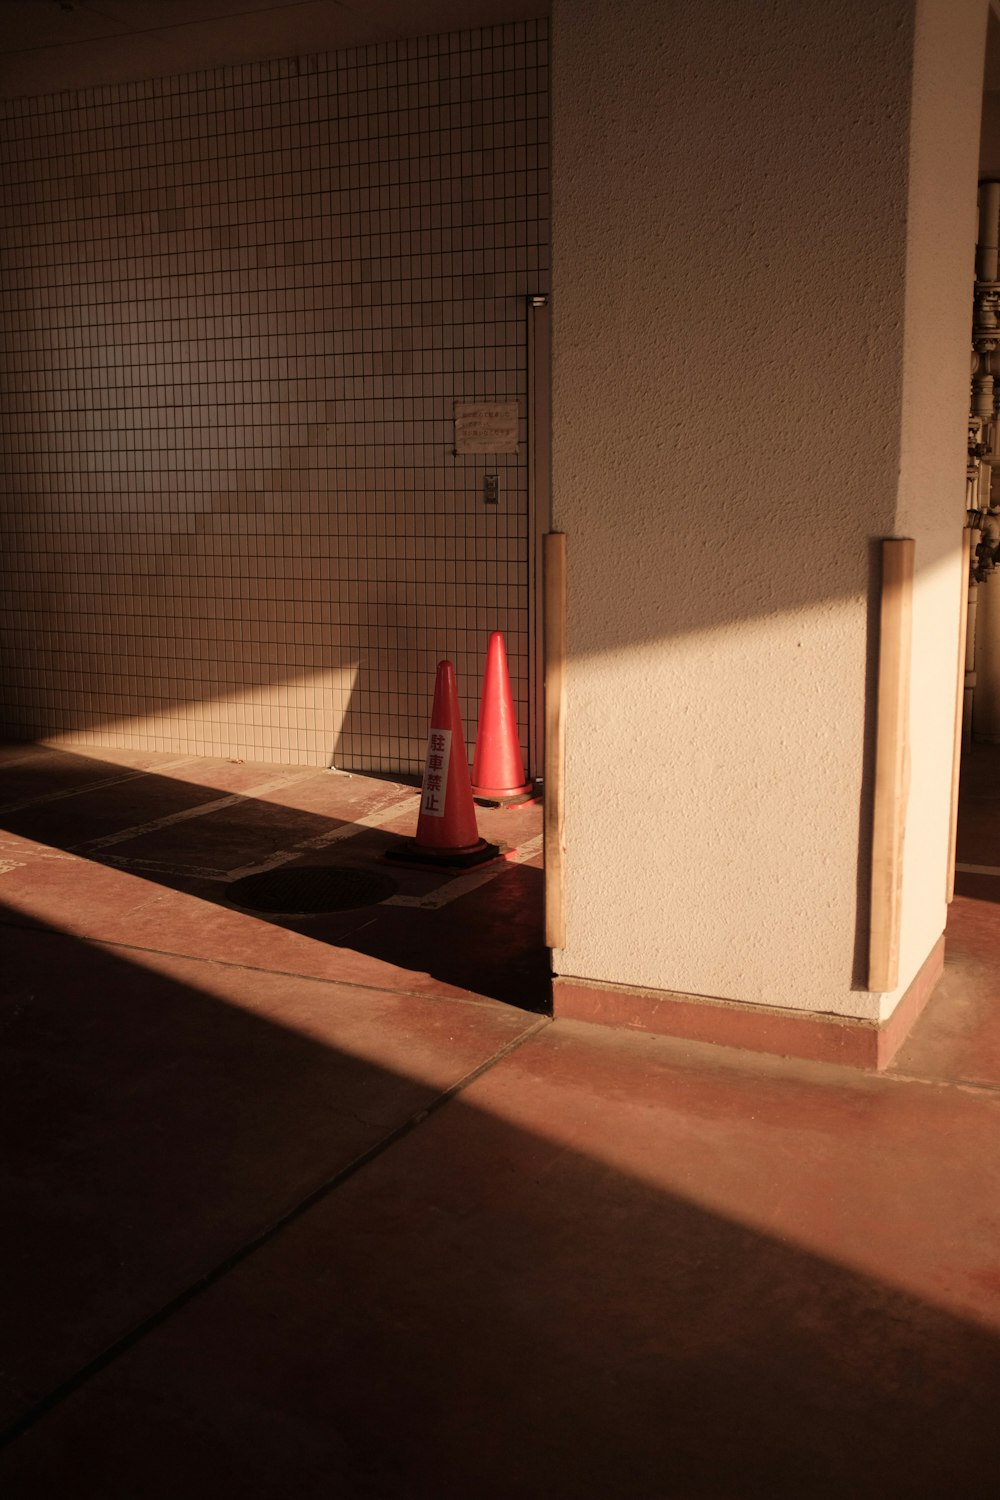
(160, 821)
(479, 1301)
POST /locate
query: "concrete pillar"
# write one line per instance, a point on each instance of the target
(764, 231)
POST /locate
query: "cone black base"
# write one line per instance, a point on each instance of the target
(519, 798)
(412, 853)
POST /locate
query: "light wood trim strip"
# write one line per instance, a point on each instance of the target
(555, 737)
(539, 521)
(956, 762)
(892, 762)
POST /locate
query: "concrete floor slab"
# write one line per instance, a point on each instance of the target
(147, 863)
(609, 1267)
(298, 1209)
(159, 1112)
(958, 1036)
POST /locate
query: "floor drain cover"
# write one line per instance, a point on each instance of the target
(308, 890)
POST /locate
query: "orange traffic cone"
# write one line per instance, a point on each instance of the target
(446, 828)
(497, 770)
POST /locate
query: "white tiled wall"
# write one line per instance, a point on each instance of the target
(236, 309)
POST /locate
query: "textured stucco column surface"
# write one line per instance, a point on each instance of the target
(763, 236)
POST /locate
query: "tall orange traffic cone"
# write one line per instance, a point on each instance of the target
(498, 770)
(446, 828)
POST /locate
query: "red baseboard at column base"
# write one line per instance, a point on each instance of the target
(758, 1028)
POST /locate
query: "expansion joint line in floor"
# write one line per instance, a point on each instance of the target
(235, 1258)
(962, 1085)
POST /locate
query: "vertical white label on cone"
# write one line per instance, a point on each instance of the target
(435, 787)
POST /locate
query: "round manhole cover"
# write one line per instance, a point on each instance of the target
(308, 890)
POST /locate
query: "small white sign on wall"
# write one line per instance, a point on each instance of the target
(486, 426)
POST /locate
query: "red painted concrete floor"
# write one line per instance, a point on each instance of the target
(328, 1207)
